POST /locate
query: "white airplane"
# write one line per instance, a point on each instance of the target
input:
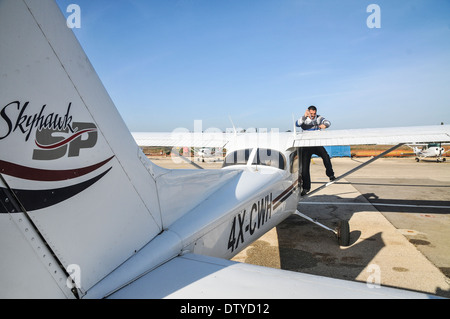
(204, 153)
(429, 150)
(85, 214)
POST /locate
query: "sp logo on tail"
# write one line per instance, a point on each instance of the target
(53, 144)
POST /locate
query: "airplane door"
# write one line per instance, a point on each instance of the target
(300, 155)
(296, 165)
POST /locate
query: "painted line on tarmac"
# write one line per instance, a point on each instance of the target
(373, 204)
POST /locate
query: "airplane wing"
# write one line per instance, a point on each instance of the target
(194, 276)
(379, 136)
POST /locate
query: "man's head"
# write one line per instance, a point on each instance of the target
(312, 111)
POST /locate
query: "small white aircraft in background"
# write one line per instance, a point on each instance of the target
(429, 150)
(202, 153)
(85, 214)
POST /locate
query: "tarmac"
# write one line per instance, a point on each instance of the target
(399, 216)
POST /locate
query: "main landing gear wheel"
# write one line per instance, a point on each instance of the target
(343, 233)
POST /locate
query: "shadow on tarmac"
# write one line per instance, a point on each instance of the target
(307, 248)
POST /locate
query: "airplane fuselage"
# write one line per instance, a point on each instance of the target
(257, 199)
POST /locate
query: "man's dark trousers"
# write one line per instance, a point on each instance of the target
(308, 152)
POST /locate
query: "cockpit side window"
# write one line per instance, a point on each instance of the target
(294, 162)
(269, 157)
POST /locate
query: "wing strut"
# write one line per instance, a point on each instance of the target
(352, 171)
(187, 160)
(343, 230)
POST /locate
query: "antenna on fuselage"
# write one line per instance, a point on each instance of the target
(234, 127)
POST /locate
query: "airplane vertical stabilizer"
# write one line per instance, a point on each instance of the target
(67, 203)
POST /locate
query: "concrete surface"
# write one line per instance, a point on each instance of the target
(399, 215)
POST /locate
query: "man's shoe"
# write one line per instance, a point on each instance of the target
(304, 192)
(332, 178)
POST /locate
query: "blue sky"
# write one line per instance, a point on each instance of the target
(168, 63)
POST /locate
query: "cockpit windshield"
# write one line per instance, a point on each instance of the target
(263, 156)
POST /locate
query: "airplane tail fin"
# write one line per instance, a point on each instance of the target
(66, 163)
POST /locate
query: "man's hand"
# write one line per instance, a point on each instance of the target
(307, 114)
(322, 127)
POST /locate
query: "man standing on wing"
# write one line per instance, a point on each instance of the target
(313, 122)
